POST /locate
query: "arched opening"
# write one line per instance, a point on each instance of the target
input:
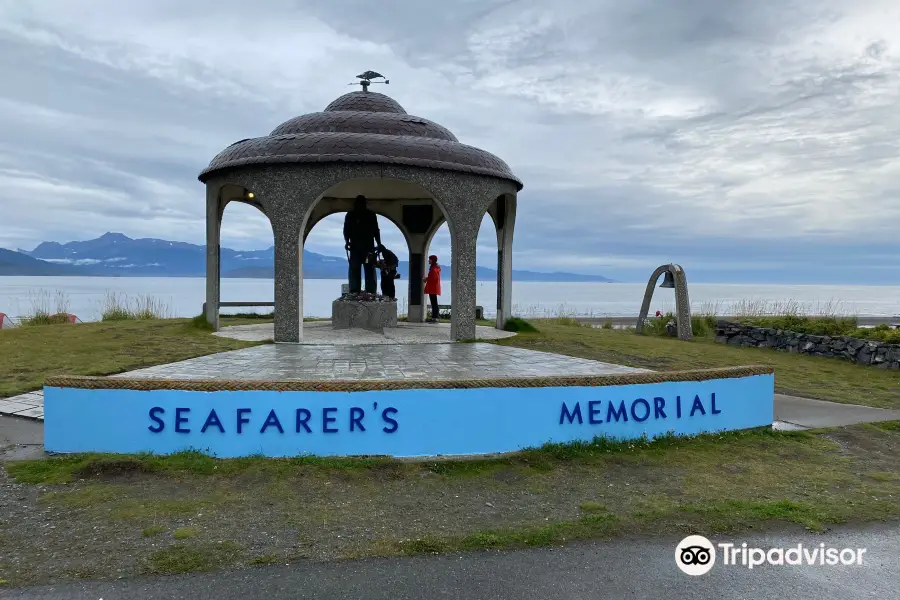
(488, 271)
(246, 259)
(238, 259)
(325, 263)
(407, 215)
(440, 244)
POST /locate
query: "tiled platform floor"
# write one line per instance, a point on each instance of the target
(377, 362)
(321, 332)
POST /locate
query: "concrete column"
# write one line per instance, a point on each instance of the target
(507, 218)
(464, 238)
(417, 262)
(288, 283)
(214, 211)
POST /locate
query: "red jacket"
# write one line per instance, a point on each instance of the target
(433, 282)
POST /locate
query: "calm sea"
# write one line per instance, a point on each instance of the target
(184, 297)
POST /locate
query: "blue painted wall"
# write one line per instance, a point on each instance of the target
(398, 423)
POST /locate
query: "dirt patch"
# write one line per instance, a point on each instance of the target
(109, 469)
(875, 445)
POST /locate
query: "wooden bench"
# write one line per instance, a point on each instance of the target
(238, 304)
(444, 310)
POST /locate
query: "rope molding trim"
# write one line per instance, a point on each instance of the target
(221, 385)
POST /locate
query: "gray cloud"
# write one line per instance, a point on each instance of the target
(758, 137)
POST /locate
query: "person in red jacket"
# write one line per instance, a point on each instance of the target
(433, 286)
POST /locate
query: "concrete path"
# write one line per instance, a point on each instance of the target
(623, 568)
(21, 438)
(804, 413)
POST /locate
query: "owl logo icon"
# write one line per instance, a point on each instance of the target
(695, 555)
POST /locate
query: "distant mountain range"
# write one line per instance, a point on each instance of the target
(117, 255)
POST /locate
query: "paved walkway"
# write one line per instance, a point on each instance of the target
(623, 568)
(321, 332)
(804, 413)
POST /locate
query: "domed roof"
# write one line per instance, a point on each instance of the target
(362, 127)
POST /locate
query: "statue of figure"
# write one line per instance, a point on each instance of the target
(361, 237)
(388, 264)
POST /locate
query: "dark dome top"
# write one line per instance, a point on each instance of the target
(362, 127)
(366, 102)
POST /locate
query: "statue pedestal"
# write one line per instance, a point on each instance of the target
(371, 315)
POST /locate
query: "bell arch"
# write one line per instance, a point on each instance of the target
(682, 301)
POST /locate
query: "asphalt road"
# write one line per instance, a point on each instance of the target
(632, 569)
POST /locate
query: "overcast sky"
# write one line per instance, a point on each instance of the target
(748, 140)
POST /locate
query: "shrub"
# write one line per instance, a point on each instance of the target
(703, 325)
(657, 325)
(45, 319)
(803, 324)
(567, 321)
(519, 325)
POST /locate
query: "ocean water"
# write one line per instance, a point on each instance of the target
(183, 297)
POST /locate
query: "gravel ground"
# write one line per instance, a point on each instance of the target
(138, 523)
(95, 530)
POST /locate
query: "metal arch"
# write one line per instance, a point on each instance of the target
(682, 301)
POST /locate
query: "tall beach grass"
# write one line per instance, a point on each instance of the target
(47, 308)
(117, 306)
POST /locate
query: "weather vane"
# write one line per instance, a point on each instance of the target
(365, 79)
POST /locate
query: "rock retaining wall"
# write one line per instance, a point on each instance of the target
(865, 352)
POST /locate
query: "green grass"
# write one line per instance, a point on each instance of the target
(795, 374)
(152, 530)
(183, 533)
(31, 354)
(266, 559)
(591, 526)
(64, 469)
(183, 558)
(557, 493)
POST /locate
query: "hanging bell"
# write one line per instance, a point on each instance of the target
(669, 281)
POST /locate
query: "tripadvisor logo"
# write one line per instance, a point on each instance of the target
(696, 555)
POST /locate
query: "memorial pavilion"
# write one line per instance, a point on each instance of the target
(413, 171)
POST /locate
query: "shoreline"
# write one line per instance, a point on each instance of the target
(861, 320)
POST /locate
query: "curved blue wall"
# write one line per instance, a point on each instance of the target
(396, 423)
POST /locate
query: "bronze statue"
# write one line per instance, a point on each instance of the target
(388, 264)
(361, 238)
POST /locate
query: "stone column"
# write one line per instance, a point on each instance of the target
(288, 282)
(464, 238)
(214, 211)
(506, 219)
(417, 305)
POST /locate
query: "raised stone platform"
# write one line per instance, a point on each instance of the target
(361, 314)
(322, 333)
(431, 362)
